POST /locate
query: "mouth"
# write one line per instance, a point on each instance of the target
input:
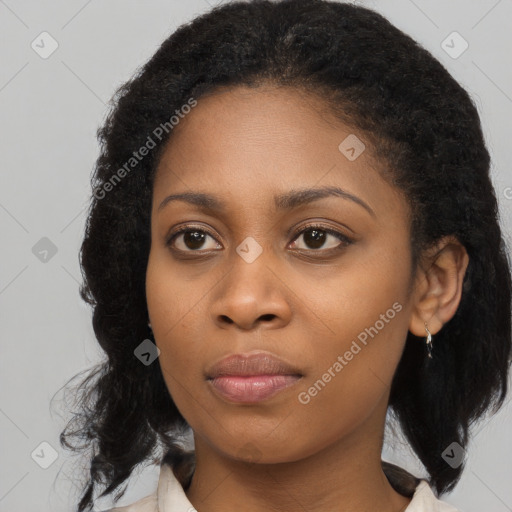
(251, 378)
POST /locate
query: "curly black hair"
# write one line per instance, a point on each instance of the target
(418, 120)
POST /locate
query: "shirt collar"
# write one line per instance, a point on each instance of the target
(170, 493)
(172, 498)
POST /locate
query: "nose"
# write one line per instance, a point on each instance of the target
(252, 296)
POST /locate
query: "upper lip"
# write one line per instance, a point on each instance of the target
(259, 363)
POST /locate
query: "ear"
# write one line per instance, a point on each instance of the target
(438, 286)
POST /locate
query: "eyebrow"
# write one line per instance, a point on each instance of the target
(287, 201)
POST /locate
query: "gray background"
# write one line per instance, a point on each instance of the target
(50, 111)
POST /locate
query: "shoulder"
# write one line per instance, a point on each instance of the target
(169, 496)
(424, 500)
(147, 504)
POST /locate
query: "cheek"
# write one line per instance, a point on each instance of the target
(181, 363)
(355, 366)
(352, 374)
(174, 307)
(364, 298)
(175, 304)
(363, 316)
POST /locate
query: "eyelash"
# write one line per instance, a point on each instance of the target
(345, 241)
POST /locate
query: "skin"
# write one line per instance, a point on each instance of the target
(244, 146)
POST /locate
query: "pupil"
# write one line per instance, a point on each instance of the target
(316, 240)
(193, 239)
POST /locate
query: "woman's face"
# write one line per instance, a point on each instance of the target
(252, 276)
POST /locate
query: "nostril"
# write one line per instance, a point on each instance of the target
(267, 317)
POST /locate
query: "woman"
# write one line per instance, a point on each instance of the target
(293, 230)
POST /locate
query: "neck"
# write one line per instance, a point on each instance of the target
(344, 475)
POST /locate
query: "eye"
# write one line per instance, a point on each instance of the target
(316, 236)
(190, 239)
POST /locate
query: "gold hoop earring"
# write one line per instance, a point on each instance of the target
(429, 341)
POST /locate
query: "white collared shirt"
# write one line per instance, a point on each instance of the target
(170, 497)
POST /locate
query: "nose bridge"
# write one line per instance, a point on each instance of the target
(250, 274)
(251, 290)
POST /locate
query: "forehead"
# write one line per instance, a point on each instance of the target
(282, 116)
(245, 143)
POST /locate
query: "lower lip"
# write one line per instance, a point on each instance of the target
(252, 388)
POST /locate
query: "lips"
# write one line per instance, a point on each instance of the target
(252, 377)
(260, 363)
